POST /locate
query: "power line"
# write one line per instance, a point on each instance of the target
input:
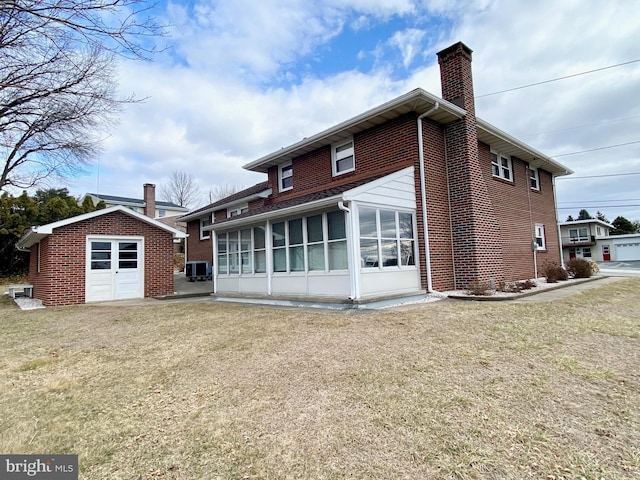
(596, 149)
(607, 200)
(571, 177)
(559, 78)
(579, 126)
(599, 206)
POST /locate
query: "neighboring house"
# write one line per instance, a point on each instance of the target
(109, 254)
(416, 194)
(592, 240)
(165, 212)
(146, 205)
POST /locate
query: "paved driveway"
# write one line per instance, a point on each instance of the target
(620, 269)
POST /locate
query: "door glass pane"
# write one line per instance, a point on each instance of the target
(336, 225)
(368, 253)
(128, 246)
(100, 255)
(295, 231)
(128, 255)
(314, 229)
(101, 246)
(316, 256)
(338, 255)
(368, 223)
(100, 265)
(278, 234)
(387, 224)
(127, 264)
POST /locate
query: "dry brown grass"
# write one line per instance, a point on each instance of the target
(448, 390)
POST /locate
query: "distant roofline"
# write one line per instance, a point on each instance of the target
(134, 201)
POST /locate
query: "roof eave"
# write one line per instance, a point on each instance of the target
(310, 206)
(509, 145)
(239, 201)
(417, 100)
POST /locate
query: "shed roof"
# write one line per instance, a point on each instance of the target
(37, 233)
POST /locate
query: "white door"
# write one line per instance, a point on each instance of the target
(115, 268)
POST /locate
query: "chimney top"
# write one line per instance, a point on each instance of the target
(457, 49)
(149, 200)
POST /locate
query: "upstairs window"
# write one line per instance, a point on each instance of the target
(285, 177)
(205, 234)
(342, 158)
(162, 213)
(234, 212)
(501, 166)
(534, 178)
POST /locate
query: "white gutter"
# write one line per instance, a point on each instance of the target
(423, 194)
(354, 276)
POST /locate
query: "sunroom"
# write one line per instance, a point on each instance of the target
(357, 244)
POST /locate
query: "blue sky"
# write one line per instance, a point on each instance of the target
(240, 79)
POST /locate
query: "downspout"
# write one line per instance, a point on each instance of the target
(555, 205)
(214, 263)
(354, 277)
(423, 194)
(534, 248)
(268, 250)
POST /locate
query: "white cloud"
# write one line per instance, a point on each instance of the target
(212, 106)
(409, 43)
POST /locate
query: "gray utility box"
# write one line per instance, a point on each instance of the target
(198, 270)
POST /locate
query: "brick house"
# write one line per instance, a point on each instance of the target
(416, 194)
(110, 254)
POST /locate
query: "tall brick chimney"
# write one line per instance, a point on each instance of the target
(150, 200)
(476, 234)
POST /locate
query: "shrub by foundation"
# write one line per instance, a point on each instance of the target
(554, 272)
(579, 268)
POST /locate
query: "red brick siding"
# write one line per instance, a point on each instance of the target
(438, 213)
(61, 280)
(474, 224)
(511, 202)
(197, 249)
(382, 149)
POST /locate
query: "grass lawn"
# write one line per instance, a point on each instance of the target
(445, 390)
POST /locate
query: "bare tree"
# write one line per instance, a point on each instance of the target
(57, 81)
(218, 192)
(181, 189)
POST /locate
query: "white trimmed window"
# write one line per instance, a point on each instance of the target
(501, 166)
(386, 238)
(342, 157)
(235, 211)
(534, 178)
(285, 177)
(205, 234)
(539, 229)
